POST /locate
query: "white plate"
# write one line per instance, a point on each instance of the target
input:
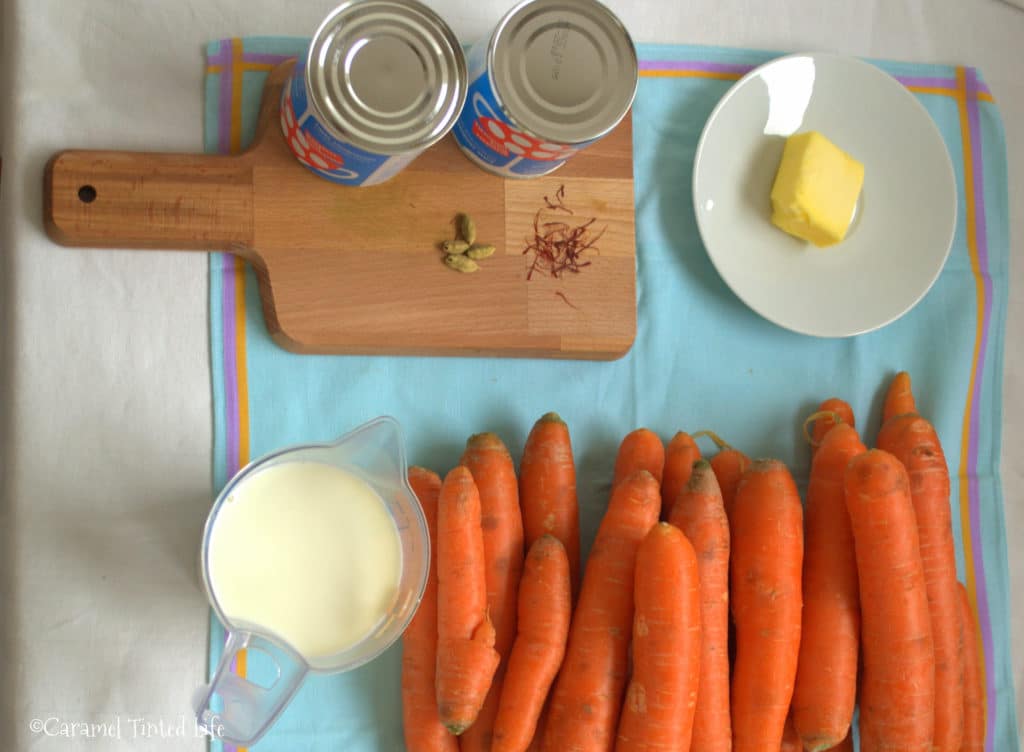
(902, 230)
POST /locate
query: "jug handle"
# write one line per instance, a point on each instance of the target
(239, 711)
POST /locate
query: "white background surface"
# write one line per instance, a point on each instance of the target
(105, 402)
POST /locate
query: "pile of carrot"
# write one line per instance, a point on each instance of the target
(716, 611)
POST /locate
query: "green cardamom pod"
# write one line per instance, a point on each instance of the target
(480, 251)
(455, 246)
(460, 263)
(467, 228)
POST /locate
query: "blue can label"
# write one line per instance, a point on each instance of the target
(323, 153)
(489, 137)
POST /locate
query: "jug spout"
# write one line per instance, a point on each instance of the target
(376, 449)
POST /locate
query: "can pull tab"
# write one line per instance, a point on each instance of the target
(240, 709)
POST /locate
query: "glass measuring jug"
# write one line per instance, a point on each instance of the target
(371, 458)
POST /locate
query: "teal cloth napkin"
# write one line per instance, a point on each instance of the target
(701, 359)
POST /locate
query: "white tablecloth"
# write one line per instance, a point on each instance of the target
(105, 401)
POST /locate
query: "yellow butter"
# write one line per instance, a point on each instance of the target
(816, 189)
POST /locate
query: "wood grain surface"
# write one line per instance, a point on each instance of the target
(358, 270)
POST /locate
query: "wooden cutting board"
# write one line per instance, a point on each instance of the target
(358, 270)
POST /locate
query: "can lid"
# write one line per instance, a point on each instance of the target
(388, 76)
(565, 70)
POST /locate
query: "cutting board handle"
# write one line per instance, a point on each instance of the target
(109, 199)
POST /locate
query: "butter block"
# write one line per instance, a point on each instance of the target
(816, 189)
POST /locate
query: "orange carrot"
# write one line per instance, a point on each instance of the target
(826, 678)
(680, 454)
(657, 715)
(547, 490)
(824, 423)
(897, 689)
(974, 692)
(767, 553)
(537, 743)
(790, 738)
(545, 605)
(913, 441)
(588, 692)
(899, 399)
(846, 745)
(640, 450)
(421, 723)
(729, 465)
(700, 514)
(466, 658)
(494, 473)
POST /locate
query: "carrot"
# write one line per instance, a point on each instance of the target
(700, 514)
(680, 454)
(790, 738)
(545, 605)
(422, 725)
(824, 423)
(547, 490)
(588, 692)
(658, 712)
(640, 450)
(974, 692)
(899, 399)
(826, 677)
(466, 658)
(846, 745)
(913, 441)
(897, 689)
(537, 743)
(494, 473)
(729, 465)
(767, 553)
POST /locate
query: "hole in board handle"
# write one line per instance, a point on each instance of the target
(86, 194)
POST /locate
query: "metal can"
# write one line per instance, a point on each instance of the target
(553, 78)
(382, 81)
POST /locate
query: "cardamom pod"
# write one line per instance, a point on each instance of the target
(460, 263)
(480, 250)
(467, 228)
(455, 246)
